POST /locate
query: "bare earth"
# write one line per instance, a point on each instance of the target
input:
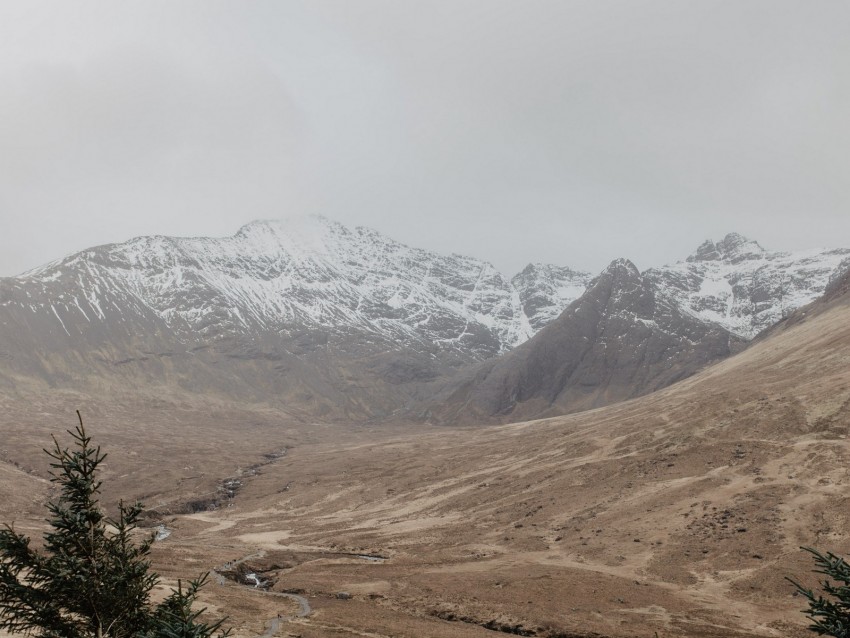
(678, 513)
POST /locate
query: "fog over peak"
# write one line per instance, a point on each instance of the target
(555, 132)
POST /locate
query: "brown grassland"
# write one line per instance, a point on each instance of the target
(678, 513)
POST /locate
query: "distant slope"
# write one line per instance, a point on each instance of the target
(679, 513)
(340, 323)
(545, 290)
(283, 278)
(740, 286)
(330, 321)
(620, 339)
(633, 333)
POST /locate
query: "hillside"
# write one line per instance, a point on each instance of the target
(631, 333)
(327, 322)
(620, 339)
(679, 513)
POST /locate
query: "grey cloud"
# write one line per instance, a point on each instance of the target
(569, 132)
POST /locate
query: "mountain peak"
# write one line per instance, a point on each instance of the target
(734, 245)
(299, 236)
(733, 248)
(620, 274)
(296, 224)
(539, 268)
(622, 268)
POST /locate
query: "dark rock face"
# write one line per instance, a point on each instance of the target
(839, 281)
(619, 340)
(343, 323)
(707, 251)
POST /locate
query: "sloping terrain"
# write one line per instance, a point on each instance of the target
(743, 288)
(326, 320)
(678, 513)
(545, 290)
(339, 324)
(620, 339)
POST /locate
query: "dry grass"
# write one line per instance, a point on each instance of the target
(678, 513)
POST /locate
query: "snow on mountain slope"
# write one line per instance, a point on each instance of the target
(545, 290)
(309, 279)
(346, 323)
(617, 341)
(284, 277)
(740, 286)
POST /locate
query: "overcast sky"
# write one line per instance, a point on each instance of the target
(570, 132)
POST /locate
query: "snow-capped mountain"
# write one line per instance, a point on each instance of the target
(545, 290)
(740, 286)
(305, 273)
(304, 308)
(347, 322)
(285, 277)
(631, 333)
(619, 340)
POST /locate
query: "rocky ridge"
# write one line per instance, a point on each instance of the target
(347, 322)
(632, 333)
(619, 340)
(546, 290)
(304, 311)
(287, 276)
(740, 286)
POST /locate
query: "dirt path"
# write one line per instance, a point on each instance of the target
(304, 608)
(272, 630)
(303, 603)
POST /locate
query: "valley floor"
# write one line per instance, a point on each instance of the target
(680, 513)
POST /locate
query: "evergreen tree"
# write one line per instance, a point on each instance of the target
(830, 615)
(174, 618)
(92, 580)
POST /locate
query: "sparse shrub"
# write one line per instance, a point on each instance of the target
(92, 578)
(830, 614)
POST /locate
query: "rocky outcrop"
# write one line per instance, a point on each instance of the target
(303, 275)
(743, 288)
(620, 339)
(545, 290)
(340, 323)
(307, 312)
